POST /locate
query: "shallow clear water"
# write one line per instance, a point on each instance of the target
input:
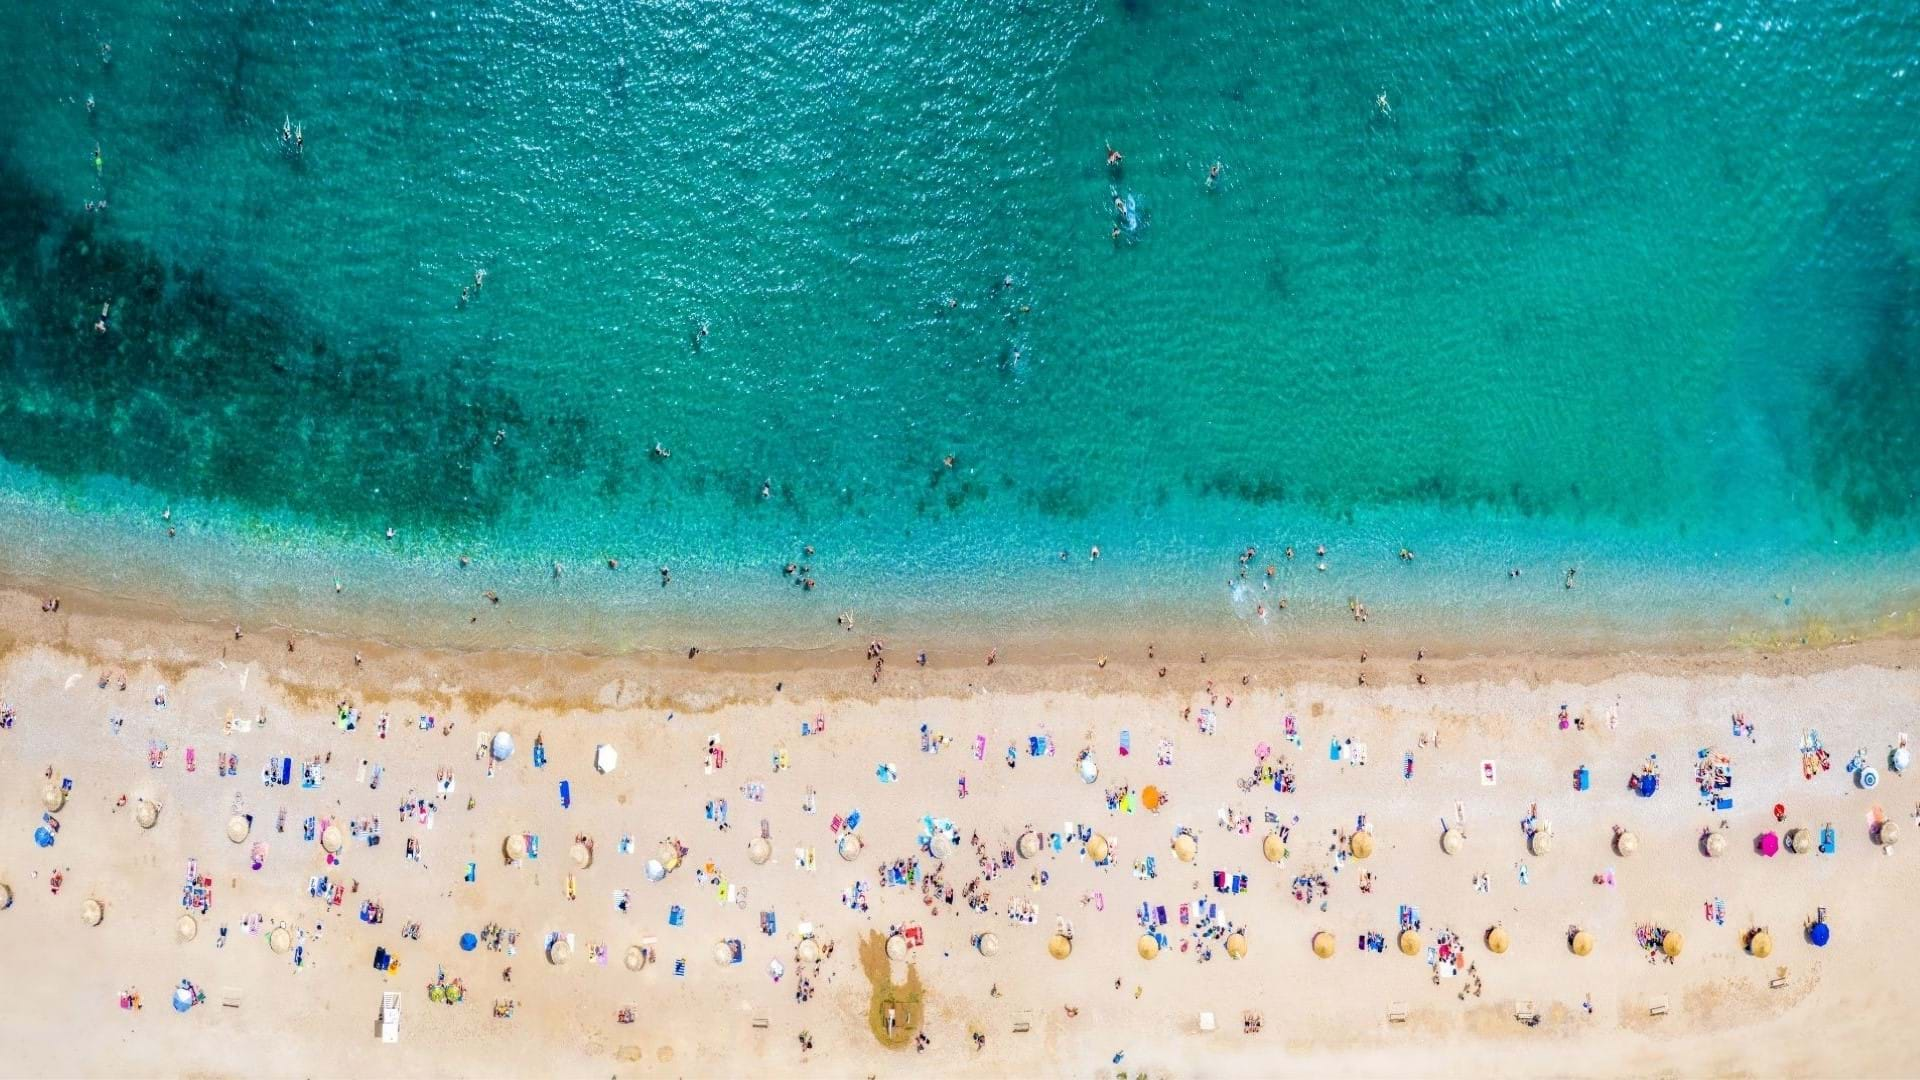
(1508, 284)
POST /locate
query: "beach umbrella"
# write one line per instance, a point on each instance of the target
(1672, 942)
(238, 827)
(43, 836)
(636, 958)
(1716, 844)
(807, 952)
(514, 847)
(280, 939)
(759, 849)
(581, 855)
(1089, 771)
(1769, 844)
(187, 928)
(722, 953)
(1185, 847)
(1410, 942)
(502, 747)
(1273, 847)
(1451, 841)
(1060, 946)
(1029, 844)
(559, 952)
(1888, 833)
(1236, 945)
(1760, 944)
(938, 845)
(146, 815)
(182, 999)
(1626, 843)
(850, 845)
(1323, 945)
(1819, 934)
(1150, 798)
(53, 797)
(1581, 943)
(656, 870)
(896, 947)
(92, 912)
(469, 942)
(1900, 759)
(1362, 844)
(1799, 841)
(6, 897)
(1148, 946)
(1498, 940)
(1098, 848)
(605, 758)
(332, 838)
(989, 945)
(1540, 842)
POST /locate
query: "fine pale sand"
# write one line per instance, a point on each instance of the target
(1837, 1013)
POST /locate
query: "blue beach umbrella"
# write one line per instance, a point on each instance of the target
(467, 942)
(42, 837)
(1819, 934)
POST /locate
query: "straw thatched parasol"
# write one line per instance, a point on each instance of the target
(147, 814)
(896, 947)
(187, 928)
(1799, 841)
(759, 849)
(1625, 843)
(1716, 844)
(807, 952)
(53, 797)
(559, 952)
(514, 847)
(1148, 946)
(1060, 946)
(1672, 942)
(1029, 844)
(1760, 944)
(1098, 848)
(280, 939)
(1185, 847)
(237, 828)
(332, 839)
(939, 845)
(1888, 833)
(1410, 943)
(1540, 842)
(722, 953)
(1362, 844)
(1451, 841)
(581, 854)
(1236, 945)
(1581, 943)
(636, 958)
(989, 945)
(1273, 847)
(92, 912)
(850, 845)
(1323, 945)
(1498, 940)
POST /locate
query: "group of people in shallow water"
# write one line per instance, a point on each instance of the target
(1125, 211)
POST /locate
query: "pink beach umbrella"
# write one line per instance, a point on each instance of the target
(1261, 751)
(1769, 844)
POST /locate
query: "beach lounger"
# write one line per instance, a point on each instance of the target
(1396, 1012)
(1524, 1011)
(1022, 1023)
(230, 997)
(1657, 1007)
(761, 1021)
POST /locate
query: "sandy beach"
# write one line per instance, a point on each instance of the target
(746, 729)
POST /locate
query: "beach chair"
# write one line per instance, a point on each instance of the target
(761, 1021)
(1396, 1012)
(1524, 1011)
(1779, 981)
(1657, 1007)
(1022, 1023)
(230, 997)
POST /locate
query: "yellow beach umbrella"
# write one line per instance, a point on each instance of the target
(1799, 841)
(1362, 844)
(1498, 940)
(1185, 847)
(1409, 943)
(1582, 943)
(1273, 847)
(514, 847)
(1097, 848)
(1150, 798)
(1029, 844)
(1147, 946)
(1716, 844)
(1060, 946)
(1236, 945)
(1540, 842)
(1323, 945)
(1626, 843)
(1760, 944)
(1672, 942)
(53, 797)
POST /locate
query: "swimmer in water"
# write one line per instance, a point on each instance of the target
(1213, 175)
(1380, 102)
(1113, 157)
(661, 453)
(99, 162)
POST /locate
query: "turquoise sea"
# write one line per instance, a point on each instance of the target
(1539, 285)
